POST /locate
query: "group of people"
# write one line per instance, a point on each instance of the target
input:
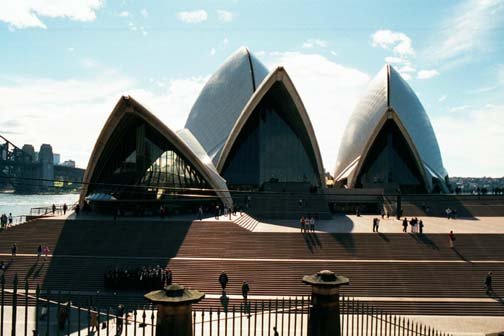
(6, 221)
(307, 223)
(142, 278)
(416, 224)
(225, 211)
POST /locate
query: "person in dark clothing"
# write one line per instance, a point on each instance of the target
(39, 251)
(169, 277)
(488, 283)
(223, 280)
(245, 289)
(275, 332)
(65, 208)
(54, 209)
(13, 250)
(119, 319)
(420, 226)
(77, 210)
(405, 224)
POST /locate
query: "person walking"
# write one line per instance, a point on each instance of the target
(374, 224)
(451, 239)
(200, 213)
(302, 223)
(39, 251)
(10, 218)
(54, 208)
(488, 283)
(245, 290)
(223, 280)
(65, 208)
(420, 226)
(312, 224)
(405, 224)
(45, 251)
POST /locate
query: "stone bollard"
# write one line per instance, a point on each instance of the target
(174, 309)
(324, 317)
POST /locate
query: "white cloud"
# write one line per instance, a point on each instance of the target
(329, 91)
(196, 16)
(312, 43)
(28, 13)
(465, 31)
(459, 108)
(464, 138)
(224, 15)
(71, 49)
(82, 106)
(442, 98)
(144, 13)
(405, 75)
(406, 68)
(399, 43)
(334, 53)
(426, 74)
(393, 60)
(124, 14)
(225, 41)
(212, 52)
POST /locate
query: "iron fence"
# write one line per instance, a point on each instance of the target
(35, 312)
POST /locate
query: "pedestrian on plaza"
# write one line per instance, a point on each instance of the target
(377, 224)
(451, 239)
(488, 283)
(312, 224)
(245, 290)
(77, 210)
(382, 212)
(54, 208)
(217, 212)
(65, 208)
(10, 218)
(374, 224)
(169, 277)
(405, 224)
(119, 319)
(275, 332)
(93, 320)
(39, 251)
(200, 213)
(420, 226)
(302, 223)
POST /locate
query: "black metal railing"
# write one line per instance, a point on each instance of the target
(35, 312)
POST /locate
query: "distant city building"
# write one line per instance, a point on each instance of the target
(57, 159)
(69, 163)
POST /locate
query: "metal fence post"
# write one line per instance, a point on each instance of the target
(26, 309)
(14, 306)
(2, 306)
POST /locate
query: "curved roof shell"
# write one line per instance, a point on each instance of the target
(222, 100)
(128, 107)
(389, 97)
(279, 75)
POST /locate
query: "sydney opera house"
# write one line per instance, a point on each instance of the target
(248, 130)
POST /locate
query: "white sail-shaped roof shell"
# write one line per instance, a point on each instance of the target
(222, 100)
(181, 141)
(389, 97)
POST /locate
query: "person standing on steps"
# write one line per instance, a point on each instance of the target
(54, 209)
(405, 224)
(223, 280)
(451, 239)
(488, 283)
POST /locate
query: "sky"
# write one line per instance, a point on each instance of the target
(65, 63)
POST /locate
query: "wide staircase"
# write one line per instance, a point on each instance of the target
(465, 205)
(403, 273)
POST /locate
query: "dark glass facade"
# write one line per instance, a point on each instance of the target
(273, 146)
(138, 163)
(390, 163)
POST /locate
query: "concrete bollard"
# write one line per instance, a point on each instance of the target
(324, 317)
(174, 309)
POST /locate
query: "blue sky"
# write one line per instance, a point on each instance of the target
(64, 64)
